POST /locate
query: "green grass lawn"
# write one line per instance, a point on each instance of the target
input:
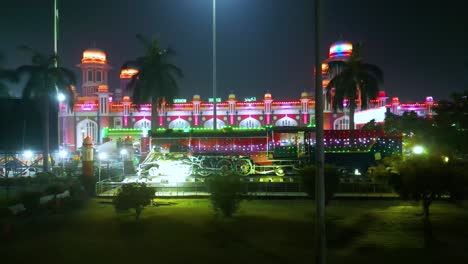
(264, 231)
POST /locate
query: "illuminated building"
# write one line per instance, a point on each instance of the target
(99, 109)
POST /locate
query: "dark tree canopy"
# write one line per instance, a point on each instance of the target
(44, 81)
(156, 80)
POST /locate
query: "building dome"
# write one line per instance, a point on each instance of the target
(304, 95)
(128, 73)
(382, 94)
(103, 88)
(94, 56)
(196, 97)
(232, 97)
(340, 49)
(267, 96)
(87, 141)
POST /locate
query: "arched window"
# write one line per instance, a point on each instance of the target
(341, 123)
(250, 123)
(179, 123)
(142, 123)
(98, 76)
(90, 75)
(86, 128)
(286, 121)
(219, 123)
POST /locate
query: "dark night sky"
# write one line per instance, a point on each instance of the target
(262, 44)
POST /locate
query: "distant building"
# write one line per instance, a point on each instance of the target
(99, 109)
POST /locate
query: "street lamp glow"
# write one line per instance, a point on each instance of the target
(28, 154)
(123, 152)
(60, 97)
(102, 156)
(63, 154)
(418, 150)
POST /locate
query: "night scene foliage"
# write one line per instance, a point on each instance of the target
(6, 75)
(424, 178)
(156, 80)
(133, 196)
(332, 178)
(353, 77)
(226, 193)
(44, 81)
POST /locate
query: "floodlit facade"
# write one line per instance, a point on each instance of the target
(99, 109)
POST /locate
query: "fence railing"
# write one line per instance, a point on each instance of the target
(251, 188)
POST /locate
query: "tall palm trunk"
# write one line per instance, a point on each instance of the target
(352, 109)
(154, 114)
(45, 133)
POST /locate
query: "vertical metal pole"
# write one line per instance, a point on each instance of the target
(55, 29)
(320, 250)
(215, 118)
(56, 65)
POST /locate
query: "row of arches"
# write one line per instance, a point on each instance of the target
(89, 127)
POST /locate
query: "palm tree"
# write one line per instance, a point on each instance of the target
(43, 82)
(5, 75)
(355, 81)
(155, 81)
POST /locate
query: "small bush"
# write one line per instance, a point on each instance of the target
(44, 178)
(133, 196)
(225, 193)
(55, 188)
(30, 200)
(332, 178)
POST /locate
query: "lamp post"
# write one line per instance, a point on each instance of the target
(61, 98)
(63, 154)
(319, 155)
(123, 153)
(214, 67)
(27, 156)
(102, 156)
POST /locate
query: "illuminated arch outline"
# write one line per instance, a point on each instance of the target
(179, 123)
(142, 123)
(84, 128)
(250, 122)
(341, 123)
(219, 123)
(286, 121)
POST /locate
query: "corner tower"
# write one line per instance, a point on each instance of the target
(94, 70)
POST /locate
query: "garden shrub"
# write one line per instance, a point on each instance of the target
(226, 193)
(133, 196)
(30, 200)
(331, 177)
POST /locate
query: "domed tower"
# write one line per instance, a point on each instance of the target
(196, 101)
(232, 108)
(94, 70)
(267, 100)
(126, 75)
(339, 51)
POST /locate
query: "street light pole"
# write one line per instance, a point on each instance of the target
(320, 250)
(215, 119)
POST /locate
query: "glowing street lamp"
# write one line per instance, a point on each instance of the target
(61, 97)
(101, 156)
(27, 154)
(418, 150)
(123, 152)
